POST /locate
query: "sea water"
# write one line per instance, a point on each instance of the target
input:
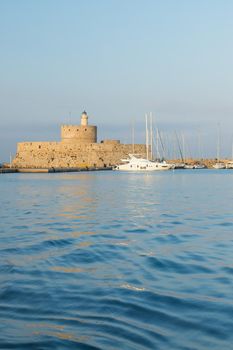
(113, 260)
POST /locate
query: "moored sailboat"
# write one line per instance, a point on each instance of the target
(134, 163)
(218, 164)
(141, 164)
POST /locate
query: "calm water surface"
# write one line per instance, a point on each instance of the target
(108, 260)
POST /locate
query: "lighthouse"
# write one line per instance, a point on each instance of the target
(84, 118)
(82, 133)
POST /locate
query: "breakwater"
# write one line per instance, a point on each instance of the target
(50, 170)
(208, 163)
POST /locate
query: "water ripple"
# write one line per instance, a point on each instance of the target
(116, 261)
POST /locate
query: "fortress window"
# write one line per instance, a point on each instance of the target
(85, 129)
(77, 129)
(39, 146)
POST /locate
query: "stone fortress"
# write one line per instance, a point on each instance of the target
(78, 148)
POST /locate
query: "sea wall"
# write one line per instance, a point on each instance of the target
(71, 155)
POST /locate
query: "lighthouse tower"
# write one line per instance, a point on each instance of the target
(82, 133)
(84, 118)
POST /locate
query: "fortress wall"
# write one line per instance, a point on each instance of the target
(35, 154)
(62, 154)
(79, 133)
(34, 146)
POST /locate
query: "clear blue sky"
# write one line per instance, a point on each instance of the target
(117, 59)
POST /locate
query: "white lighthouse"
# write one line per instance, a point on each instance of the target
(84, 118)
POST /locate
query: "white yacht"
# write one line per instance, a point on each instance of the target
(219, 165)
(133, 163)
(188, 166)
(229, 164)
(140, 164)
(199, 166)
(179, 166)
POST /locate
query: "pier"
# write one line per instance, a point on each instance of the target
(51, 170)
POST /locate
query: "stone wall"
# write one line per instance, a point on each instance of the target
(69, 155)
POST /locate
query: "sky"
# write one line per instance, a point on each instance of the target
(117, 59)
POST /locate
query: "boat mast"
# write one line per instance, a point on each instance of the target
(199, 145)
(183, 146)
(179, 147)
(157, 142)
(232, 150)
(133, 136)
(218, 144)
(147, 150)
(151, 137)
(160, 141)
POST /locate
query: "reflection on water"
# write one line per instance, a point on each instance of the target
(55, 331)
(112, 260)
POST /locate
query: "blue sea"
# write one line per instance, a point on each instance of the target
(112, 260)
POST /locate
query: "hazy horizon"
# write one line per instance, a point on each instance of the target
(117, 60)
